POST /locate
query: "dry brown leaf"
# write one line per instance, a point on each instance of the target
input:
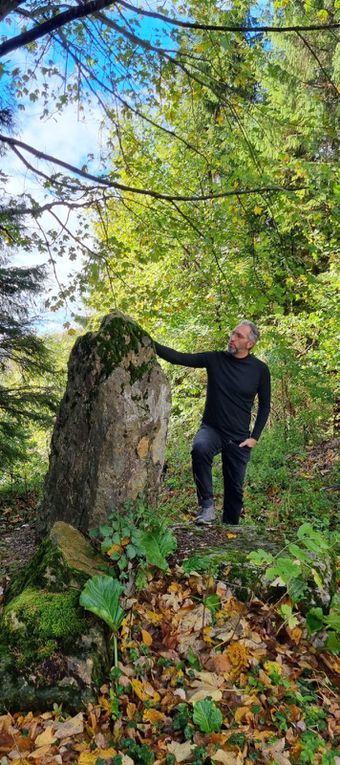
(39, 753)
(219, 663)
(126, 760)
(243, 713)
(203, 692)
(208, 678)
(195, 619)
(227, 758)
(46, 738)
(182, 752)
(295, 634)
(71, 727)
(5, 722)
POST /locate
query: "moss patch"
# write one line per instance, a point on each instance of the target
(36, 623)
(115, 339)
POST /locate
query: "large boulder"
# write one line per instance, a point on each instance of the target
(223, 550)
(51, 650)
(109, 438)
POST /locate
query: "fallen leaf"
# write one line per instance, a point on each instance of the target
(90, 758)
(131, 710)
(208, 678)
(71, 727)
(46, 738)
(227, 758)
(182, 752)
(114, 549)
(145, 691)
(146, 637)
(153, 716)
(243, 713)
(219, 663)
(39, 753)
(203, 692)
(126, 760)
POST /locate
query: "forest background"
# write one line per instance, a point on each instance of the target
(212, 197)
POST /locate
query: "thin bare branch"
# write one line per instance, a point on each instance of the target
(224, 27)
(104, 180)
(92, 6)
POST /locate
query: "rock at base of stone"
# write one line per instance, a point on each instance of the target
(51, 649)
(109, 438)
(225, 549)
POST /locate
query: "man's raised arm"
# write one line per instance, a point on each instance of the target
(184, 359)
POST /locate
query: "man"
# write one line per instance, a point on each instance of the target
(235, 377)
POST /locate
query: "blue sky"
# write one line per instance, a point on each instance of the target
(70, 135)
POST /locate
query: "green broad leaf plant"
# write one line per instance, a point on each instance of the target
(101, 595)
(294, 567)
(207, 716)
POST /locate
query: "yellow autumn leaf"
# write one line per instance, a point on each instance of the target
(206, 634)
(146, 637)
(105, 703)
(90, 758)
(46, 738)
(231, 536)
(145, 691)
(243, 713)
(257, 210)
(114, 549)
(273, 666)
(131, 710)
(153, 716)
(125, 541)
(152, 617)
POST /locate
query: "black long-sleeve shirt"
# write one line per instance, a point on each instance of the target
(232, 386)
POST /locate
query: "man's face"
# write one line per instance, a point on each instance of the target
(239, 343)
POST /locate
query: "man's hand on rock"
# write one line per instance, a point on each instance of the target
(251, 442)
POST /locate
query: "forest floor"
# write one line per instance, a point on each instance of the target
(18, 515)
(233, 683)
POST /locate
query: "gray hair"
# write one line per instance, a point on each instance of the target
(254, 333)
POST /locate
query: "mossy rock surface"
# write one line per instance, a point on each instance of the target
(52, 651)
(224, 551)
(64, 559)
(70, 680)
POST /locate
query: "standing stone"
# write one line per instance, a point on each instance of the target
(109, 438)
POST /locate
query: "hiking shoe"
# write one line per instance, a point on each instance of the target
(206, 515)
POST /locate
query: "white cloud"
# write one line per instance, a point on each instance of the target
(67, 137)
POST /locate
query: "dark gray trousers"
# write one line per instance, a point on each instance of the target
(209, 442)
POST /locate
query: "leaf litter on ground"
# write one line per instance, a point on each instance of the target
(230, 685)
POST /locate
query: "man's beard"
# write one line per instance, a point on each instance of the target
(231, 348)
